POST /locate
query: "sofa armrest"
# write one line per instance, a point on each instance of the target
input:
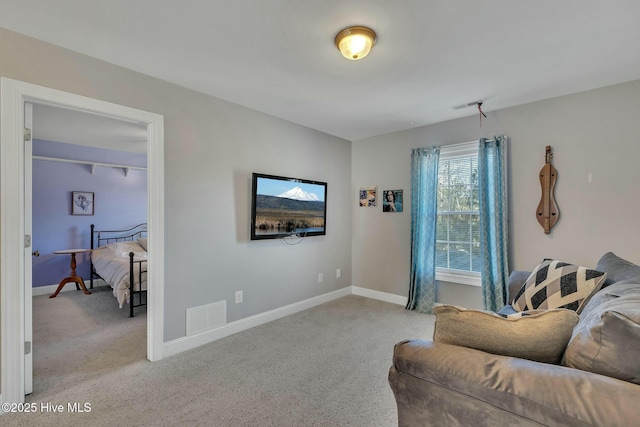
(501, 388)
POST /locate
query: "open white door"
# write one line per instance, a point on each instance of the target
(28, 251)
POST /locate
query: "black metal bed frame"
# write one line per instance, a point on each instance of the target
(128, 235)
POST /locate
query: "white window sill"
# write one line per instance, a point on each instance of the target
(452, 276)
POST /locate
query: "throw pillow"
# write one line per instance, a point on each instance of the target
(143, 242)
(622, 288)
(607, 337)
(541, 336)
(616, 268)
(126, 247)
(557, 284)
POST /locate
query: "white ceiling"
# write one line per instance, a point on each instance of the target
(81, 128)
(279, 57)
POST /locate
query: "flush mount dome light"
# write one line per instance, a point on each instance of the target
(355, 42)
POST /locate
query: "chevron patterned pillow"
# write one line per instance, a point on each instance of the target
(557, 284)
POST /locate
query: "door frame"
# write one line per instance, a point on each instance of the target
(13, 95)
(28, 252)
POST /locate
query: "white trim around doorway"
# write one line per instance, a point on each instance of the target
(13, 95)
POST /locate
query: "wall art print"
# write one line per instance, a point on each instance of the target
(82, 203)
(368, 196)
(392, 201)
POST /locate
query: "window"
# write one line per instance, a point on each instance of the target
(458, 215)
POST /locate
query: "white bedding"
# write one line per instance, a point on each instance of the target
(111, 262)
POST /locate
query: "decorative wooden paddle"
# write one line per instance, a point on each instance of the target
(548, 213)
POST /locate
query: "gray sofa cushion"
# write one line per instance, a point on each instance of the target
(507, 310)
(607, 338)
(516, 280)
(540, 336)
(617, 269)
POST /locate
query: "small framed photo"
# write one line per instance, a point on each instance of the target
(392, 201)
(368, 196)
(82, 203)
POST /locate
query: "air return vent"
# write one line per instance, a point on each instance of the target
(206, 317)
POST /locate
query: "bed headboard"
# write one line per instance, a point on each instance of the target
(103, 237)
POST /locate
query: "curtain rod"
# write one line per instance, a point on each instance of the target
(494, 138)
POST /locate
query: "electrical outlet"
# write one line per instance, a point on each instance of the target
(320, 277)
(338, 273)
(238, 297)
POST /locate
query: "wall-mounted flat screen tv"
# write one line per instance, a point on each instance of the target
(284, 207)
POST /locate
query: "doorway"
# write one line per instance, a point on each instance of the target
(15, 243)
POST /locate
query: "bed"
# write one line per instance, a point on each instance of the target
(119, 257)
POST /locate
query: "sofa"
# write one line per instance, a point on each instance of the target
(594, 379)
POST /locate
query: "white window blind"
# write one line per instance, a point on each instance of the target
(458, 222)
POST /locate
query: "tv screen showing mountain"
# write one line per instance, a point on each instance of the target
(284, 207)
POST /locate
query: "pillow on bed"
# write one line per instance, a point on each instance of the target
(143, 242)
(125, 247)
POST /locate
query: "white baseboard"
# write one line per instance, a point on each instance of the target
(179, 345)
(382, 296)
(49, 289)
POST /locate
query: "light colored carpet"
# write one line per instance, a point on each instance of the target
(326, 366)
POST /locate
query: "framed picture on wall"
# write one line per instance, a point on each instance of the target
(392, 201)
(368, 196)
(82, 203)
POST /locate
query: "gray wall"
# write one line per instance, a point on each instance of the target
(595, 132)
(211, 148)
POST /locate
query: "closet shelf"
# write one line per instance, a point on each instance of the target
(92, 164)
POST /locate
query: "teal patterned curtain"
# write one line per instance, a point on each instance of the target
(492, 176)
(424, 187)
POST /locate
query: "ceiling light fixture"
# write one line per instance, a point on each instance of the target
(355, 42)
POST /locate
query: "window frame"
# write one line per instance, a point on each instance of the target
(471, 278)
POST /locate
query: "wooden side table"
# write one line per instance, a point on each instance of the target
(73, 278)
